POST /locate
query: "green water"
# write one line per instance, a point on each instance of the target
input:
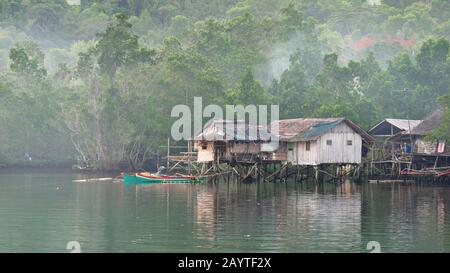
(42, 212)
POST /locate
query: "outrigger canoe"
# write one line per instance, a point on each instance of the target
(145, 177)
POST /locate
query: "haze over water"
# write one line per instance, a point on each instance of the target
(42, 212)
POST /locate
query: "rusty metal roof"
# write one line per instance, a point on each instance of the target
(289, 128)
(303, 129)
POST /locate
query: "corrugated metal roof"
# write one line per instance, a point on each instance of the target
(303, 129)
(221, 130)
(289, 128)
(317, 130)
(402, 124)
(429, 123)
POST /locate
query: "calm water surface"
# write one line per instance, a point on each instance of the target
(41, 212)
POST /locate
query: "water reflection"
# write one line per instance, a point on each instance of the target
(260, 217)
(407, 218)
(42, 212)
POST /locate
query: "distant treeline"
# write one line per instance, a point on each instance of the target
(96, 82)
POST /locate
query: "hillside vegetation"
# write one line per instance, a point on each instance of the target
(96, 82)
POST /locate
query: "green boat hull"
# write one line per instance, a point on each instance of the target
(129, 178)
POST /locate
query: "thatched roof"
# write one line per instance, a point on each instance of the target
(431, 122)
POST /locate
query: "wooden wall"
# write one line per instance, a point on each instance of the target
(339, 152)
(205, 155)
(303, 157)
(244, 148)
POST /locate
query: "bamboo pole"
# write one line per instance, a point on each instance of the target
(168, 153)
(189, 157)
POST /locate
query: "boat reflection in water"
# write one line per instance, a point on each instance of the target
(159, 177)
(42, 212)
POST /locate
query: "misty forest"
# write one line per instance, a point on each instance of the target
(93, 82)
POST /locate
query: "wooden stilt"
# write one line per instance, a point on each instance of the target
(168, 153)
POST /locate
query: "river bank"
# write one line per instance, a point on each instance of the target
(55, 166)
(50, 168)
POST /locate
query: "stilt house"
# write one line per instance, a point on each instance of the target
(229, 140)
(317, 141)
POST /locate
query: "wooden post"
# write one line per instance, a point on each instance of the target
(189, 157)
(276, 170)
(296, 173)
(168, 153)
(264, 170)
(392, 150)
(258, 174)
(370, 167)
(358, 172)
(157, 160)
(436, 162)
(320, 174)
(286, 176)
(316, 174)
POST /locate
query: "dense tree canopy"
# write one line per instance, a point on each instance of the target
(96, 82)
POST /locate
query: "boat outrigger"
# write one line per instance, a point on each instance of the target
(146, 177)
